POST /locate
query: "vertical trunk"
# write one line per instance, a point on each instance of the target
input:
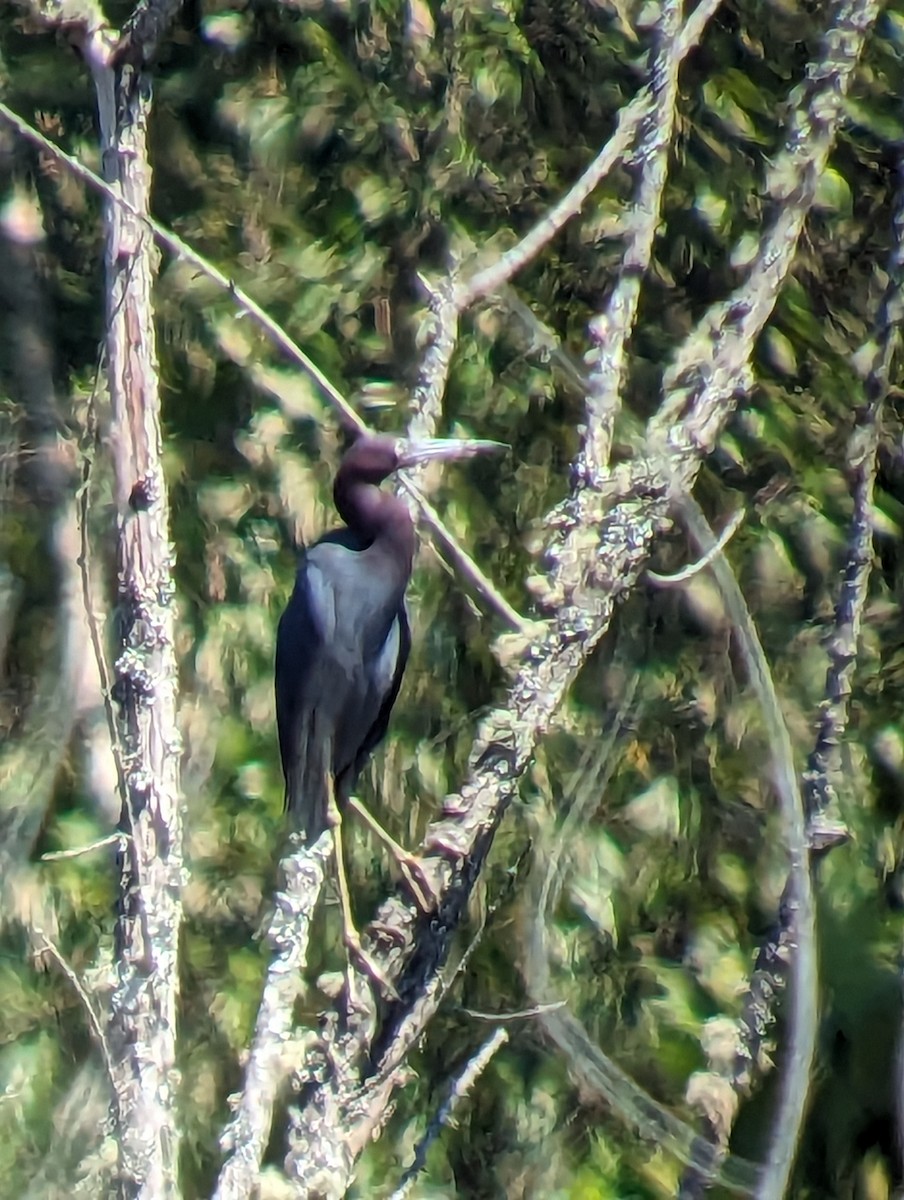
(143, 1022)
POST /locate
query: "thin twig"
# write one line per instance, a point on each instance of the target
(693, 569)
(94, 1019)
(113, 839)
(468, 569)
(84, 565)
(181, 249)
(459, 1090)
(521, 1014)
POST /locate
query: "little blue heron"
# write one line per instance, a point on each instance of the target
(343, 642)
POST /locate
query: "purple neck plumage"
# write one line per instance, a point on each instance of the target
(373, 514)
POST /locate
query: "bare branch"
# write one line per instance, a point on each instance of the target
(823, 766)
(246, 1135)
(113, 839)
(712, 370)
(804, 1021)
(467, 568)
(143, 1004)
(180, 249)
(609, 330)
(601, 539)
(456, 554)
(474, 1068)
(451, 298)
(629, 120)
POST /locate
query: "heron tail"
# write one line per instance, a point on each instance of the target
(307, 784)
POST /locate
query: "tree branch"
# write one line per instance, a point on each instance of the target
(142, 1031)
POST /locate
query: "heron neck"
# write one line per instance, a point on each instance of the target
(378, 517)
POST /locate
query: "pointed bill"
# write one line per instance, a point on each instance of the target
(412, 454)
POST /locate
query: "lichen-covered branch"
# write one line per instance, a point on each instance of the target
(778, 952)
(142, 1032)
(610, 329)
(245, 1139)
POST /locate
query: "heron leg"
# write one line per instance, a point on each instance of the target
(415, 877)
(350, 934)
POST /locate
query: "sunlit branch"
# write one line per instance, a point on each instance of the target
(712, 368)
(600, 542)
(427, 395)
(245, 1138)
(474, 1068)
(143, 1005)
(610, 329)
(491, 278)
(804, 1019)
(451, 298)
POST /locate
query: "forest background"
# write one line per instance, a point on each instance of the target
(658, 254)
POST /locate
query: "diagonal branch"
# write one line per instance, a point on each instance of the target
(823, 768)
(450, 299)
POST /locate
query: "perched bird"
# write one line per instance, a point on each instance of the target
(344, 638)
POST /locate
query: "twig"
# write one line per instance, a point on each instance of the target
(84, 565)
(693, 569)
(113, 839)
(94, 1020)
(522, 1014)
(467, 568)
(180, 249)
(818, 779)
(459, 1090)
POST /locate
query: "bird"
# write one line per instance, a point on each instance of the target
(343, 642)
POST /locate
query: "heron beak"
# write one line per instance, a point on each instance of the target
(412, 454)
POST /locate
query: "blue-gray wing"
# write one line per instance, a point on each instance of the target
(301, 675)
(340, 654)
